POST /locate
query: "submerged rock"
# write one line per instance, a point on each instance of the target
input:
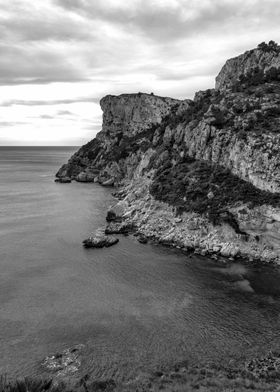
(63, 180)
(66, 362)
(100, 240)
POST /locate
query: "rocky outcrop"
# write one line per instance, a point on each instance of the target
(201, 174)
(100, 240)
(264, 57)
(131, 114)
(128, 121)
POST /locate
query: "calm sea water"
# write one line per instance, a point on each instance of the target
(135, 307)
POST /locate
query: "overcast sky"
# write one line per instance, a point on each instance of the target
(59, 57)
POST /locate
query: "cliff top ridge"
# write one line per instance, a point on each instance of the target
(262, 59)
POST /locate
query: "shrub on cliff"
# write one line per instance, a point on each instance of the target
(205, 188)
(93, 148)
(272, 46)
(255, 77)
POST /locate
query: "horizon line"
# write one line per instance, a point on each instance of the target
(39, 145)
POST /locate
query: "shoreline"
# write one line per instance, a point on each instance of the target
(136, 212)
(120, 222)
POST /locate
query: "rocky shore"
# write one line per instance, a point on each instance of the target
(158, 222)
(201, 174)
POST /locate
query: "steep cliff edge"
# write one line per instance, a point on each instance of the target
(259, 60)
(200, 174)
(129, 121)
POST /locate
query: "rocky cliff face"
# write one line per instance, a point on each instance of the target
(264, 57)
(128, 124)
(203, 174)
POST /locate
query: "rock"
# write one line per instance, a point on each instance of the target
(111, 216)
(109, 182)
(117, 211)
(64, 363)
(242, 64)
(85, 177)
(210, 195)
(100, 240)
(178, 220)
(215, 115)
(63, 180)
(119, 228)
(142, 239)
(216, 248)
(133, 113)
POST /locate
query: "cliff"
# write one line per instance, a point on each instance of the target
(129, 121)
(259, 60)
(200, 174)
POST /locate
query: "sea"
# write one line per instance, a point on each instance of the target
(135, 307)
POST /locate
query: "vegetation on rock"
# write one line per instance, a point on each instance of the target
(272, 46)
(205, 188)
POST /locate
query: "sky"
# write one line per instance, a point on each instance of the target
(58, 58)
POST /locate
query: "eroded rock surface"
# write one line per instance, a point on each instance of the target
(265, 56)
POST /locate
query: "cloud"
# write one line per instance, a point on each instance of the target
(57, 114)
(29, 27)
(14, 102)
(174, 20)
(11, 123)
(76, 40)
(64, 113)
(47, 117)
(24, 64)
(72, 52)
(195, 70)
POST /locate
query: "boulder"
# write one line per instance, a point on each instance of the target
(100, 240)
(109, 182)
(85, 177)
(117, 212)
(142, 239)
